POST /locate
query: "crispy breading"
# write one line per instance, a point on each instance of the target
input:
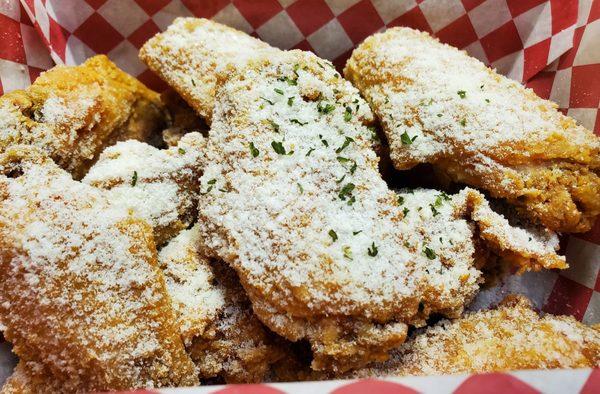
(81, 292)
(438, 105)
(511, 337)
(221, 333)
(292, 199)
(159, 186)
(192, 63)
(73, 113)
(236, 346)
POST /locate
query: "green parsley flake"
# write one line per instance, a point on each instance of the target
(193, 82)
(406, 140)
(310, 151)
(278, 91)
(462, 94)
(348, 114)
(134, 178)
(400, 200)
(347, 252)
(253, 151)
(487, 100)
(356, 232)
(372, 251)
(274, 125)
(211, 183)
(278, 147)
(300, 188)
(341, 179)
(434, 210)
(298, 122)
(346, 191)
(343, 159)
(290, 101)
(325, 109)
(267, 100)
(463, 122)
(333, 235)
(429, 253)
(405, 211)
(181, 151)
(347, 142)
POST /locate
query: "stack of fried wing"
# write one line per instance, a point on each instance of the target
(292, 199)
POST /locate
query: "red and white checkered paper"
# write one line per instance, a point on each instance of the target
(551, 46)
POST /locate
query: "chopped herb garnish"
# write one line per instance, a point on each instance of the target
(347, 252)
(290, 101)
(310, 151)
(372, 251)
(134, 178)
(439, 115)
(463, 122)
(274, 125)
(405, 211)
(325, 109)
(406, 244)
(300, 188)
(333, 235)
(346, 191)
(429, 253)
(211, 183)
(291, 82)
(224, 190)
(193, 82)
(356, 232)
(405, 138)
(347, 142)
(324, 141)
(341, 179)
(462, 93)
(481, 87)
(353, 168)
(298, 122)
(348, 114)
(343, 159)
(278, 91)
(434, 210)
(278, 147)
(268, 101)
(487, 100)
(400, 200)
(352, 200)
(181, 151)
(253, 151)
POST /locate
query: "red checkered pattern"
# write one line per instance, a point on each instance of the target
(551, 46)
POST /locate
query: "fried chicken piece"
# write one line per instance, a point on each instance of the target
(159, 186)
(81, 293)
(192, 63)
(291, 198)
(183, 119)
(236, 346)
(511, 337)
(222, 335)
(73, 113)
(438, 105)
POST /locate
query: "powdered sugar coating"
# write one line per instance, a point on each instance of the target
(81, 290)
(159, 186)
(438, 105)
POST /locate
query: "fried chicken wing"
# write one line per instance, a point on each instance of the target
(221, 333)
(73, 113)
(159, 186)
(81, 293)
(511, 337)
(438, 105)
(292, 199)
(193, 63)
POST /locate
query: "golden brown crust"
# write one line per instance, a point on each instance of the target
(73, 113)
(80, 289)
(236, 346)
(511, 337)
(479, 128)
